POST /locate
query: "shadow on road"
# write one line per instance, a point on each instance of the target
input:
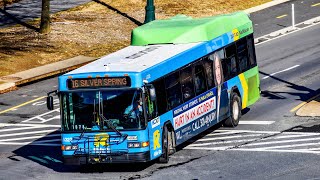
(49, 155)
(138, 23)
(303, 95)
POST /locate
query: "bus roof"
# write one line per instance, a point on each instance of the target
(184, 29)
(154, 58)
(133, 58)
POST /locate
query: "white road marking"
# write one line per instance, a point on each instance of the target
(226, 137)
(28, 143)
(22, 138)
(279, 142)
(21, 128)
(313, 20)
(221, 142)
(266, 77)
(25, 133)
(32, 125)
(257, 122)
(41, 119)
(276, 150)
(249, 131)
(292, 136)
(272, 141)
(209, 148)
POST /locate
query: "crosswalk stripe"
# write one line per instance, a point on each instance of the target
(289, 146)
(221, 142)
(21, 128)
(256, 122)
(279, 142)
(28, 143)
(209, 148)
(226, 137)
(25, 133)
(249, 131)
(26, 124)
(293, 136)
(19, 139)
(276, 150)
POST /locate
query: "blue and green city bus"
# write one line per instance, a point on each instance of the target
(179, 77)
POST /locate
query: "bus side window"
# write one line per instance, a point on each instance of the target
(199, 78)
(252, 55)
(207, 62)
(173, 90)
(242, 54)
(187, 86)
(161, 95)
(231, 60)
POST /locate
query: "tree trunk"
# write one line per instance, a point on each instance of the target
(45, 17)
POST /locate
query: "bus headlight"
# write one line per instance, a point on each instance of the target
(69, 147)
(134, 145)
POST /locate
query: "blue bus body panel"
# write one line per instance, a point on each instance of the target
(91, 146)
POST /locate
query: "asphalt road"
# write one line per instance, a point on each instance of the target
(270, 142)
(278, 17)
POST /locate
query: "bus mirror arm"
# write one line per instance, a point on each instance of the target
(50, 99)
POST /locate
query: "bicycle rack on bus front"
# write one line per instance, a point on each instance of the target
(99, 149)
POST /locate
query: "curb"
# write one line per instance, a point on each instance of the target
(287, 30)
(12, 81)
(264, 6)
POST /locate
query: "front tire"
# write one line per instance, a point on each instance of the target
(164, 158)
(235, 111)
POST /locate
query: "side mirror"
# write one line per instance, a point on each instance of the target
(152, 93)
(50, 102)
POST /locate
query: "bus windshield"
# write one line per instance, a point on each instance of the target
(102, 110)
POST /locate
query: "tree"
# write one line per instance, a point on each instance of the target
(45, 17)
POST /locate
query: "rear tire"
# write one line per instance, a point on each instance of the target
(235, 111)
(164, 158)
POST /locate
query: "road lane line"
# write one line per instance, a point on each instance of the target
(313, 5)
(23, 104)
(282, 16)
(33, 125)
(257, 122)
(24, 133)
(281, 71)
(303, 103)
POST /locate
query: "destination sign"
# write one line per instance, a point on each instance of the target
(99, 82)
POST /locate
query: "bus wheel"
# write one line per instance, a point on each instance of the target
(235, 111)
(164, 158)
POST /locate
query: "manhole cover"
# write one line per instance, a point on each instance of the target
(10, 78)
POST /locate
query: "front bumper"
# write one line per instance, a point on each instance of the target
(116, 158)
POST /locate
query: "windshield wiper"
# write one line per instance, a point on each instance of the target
(112, 127)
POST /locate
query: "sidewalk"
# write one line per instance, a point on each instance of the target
(42, 72)
(311, 108)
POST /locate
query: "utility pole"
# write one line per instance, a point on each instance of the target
(45, 17)
(150, 14)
